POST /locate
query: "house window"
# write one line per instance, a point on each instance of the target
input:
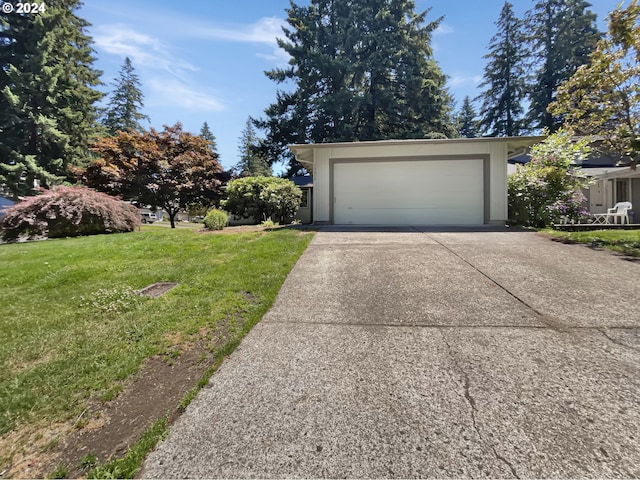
(622, 190)
(304, 203)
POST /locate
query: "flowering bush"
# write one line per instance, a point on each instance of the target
(68, 212)
(549, 186)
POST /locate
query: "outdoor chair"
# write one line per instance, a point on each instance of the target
(620, 210)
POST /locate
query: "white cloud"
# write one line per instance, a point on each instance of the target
(143, 50)
(178, 94)
(465, 80)
(444, 29)
(265, 30)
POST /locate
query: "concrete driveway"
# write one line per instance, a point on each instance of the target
(409, 353)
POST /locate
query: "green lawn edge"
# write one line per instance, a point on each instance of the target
(291, 241)
(626, 242)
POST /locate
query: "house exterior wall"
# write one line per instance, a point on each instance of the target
(635, 199)
(495, 177)
(304, 214)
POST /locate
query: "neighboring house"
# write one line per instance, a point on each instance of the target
(614, 181)
(5, 203)
(613, 185)
(305, 212)
(162, 215)
(461, 181)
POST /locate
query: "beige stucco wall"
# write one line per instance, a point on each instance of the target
(497, 152)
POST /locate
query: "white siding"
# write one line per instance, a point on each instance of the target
(496, 183)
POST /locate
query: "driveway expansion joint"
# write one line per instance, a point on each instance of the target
(474, 408)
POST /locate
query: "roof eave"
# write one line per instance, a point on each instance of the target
(515, 145)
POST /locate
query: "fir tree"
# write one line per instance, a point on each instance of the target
(123, 111)
(363, 70)
(207, 134)
(252, 161)
(47, 96)
(504, 78)
(562, 35)
(467, 120)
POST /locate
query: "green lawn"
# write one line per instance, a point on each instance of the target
(71, 325)
(624, 241)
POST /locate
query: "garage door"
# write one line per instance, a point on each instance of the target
(402, 192)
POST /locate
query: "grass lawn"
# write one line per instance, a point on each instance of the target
(73, 328)
(624, 241)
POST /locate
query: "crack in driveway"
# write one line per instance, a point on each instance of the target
(474, 407)
(603, 331)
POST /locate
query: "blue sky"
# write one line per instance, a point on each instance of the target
(204, 60)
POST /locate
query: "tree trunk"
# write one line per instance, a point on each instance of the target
(172, 219)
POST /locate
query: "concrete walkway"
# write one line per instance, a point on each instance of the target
(408, 353)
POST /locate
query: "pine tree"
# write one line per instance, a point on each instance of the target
(123, 111)
(47, 96)
(562, 35)
(207, 134)
(363, 70)
(467, 120)
(504, 78)
(252, 161)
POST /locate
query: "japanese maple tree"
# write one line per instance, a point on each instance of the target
(171, 169)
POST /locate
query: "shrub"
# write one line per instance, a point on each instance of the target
(269, 223)
(68, 212)
(216, 220)
(262, 198)
(549, 186)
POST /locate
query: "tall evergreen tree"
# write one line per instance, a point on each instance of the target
(123, 111)
(504, 78)
(603, 97)
(468, 120)
(562, 35)
(47, 96)
(363, 70)
(252, 161)
(207, 134)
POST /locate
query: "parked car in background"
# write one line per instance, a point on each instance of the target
(148, 217)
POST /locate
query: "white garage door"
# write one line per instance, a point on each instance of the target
(419, 192)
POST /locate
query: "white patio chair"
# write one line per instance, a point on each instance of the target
(620, 210)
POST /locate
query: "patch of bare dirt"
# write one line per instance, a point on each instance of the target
(236, 229)
(107, 430)
(302, 229)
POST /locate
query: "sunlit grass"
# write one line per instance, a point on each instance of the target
(624, 241)
(71, 324)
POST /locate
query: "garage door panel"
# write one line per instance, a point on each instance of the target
(409, 192)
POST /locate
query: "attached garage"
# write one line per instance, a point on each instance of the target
(422, 192)
(411, 182)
